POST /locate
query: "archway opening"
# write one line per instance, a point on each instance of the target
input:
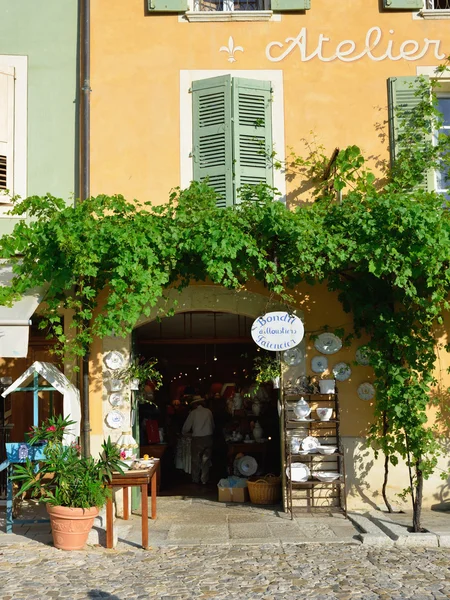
(208, 354)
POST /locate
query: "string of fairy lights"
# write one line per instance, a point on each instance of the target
(198, 376)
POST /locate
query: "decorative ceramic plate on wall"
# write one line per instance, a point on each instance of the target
(293, 356)
(366, 391)
(328, 343)
(114, 360)
(341, 371)
(319, 364)
(116, 399)
(114, 419)
(362, 357)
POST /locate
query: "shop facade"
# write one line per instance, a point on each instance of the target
(330, 74)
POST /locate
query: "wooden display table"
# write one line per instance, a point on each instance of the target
(136, 478)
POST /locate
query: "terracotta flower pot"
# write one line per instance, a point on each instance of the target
(71, 526)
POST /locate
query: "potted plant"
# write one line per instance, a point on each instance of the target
(267, 367)
(72, 487)
(139, 373)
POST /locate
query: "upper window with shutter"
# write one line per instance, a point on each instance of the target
(402, 94)
(230, 6)
(232, 134)
(6, 133)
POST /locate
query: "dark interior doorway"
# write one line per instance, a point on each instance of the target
(209, 354)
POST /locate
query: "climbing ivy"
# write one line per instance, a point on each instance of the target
(381, 243)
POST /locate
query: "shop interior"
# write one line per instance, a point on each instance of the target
(207, 354)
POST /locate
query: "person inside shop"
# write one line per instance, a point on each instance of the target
(201, 423)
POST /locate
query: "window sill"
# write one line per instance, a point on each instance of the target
(435, 14)
(238, 15)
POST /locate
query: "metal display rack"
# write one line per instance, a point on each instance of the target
(314, 495)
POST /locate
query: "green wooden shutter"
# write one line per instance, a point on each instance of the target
(167, 5)
(252, 135)
(212, 135)
(403, 4)
(286, 5)
(402, 94)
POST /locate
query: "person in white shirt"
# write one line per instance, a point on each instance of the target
(201, 422)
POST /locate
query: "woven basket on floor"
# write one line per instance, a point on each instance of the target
(265, 490)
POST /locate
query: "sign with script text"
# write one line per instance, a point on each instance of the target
(277, 331)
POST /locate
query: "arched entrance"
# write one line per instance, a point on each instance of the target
(206, 349)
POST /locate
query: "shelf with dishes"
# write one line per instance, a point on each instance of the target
(313, 452)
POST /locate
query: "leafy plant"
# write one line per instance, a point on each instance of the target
(266, 366)
(63, 477)
(142, 370)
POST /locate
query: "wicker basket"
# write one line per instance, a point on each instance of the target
(265, 490)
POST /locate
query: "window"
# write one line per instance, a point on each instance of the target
(13, 127)
(442, 178)
(401, 93)
(226, 6)
(230, 5)
(437, 5)
(232, 134)
(6, 129)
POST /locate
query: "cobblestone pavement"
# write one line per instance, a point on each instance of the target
(265, 572)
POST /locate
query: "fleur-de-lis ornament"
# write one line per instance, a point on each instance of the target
(231, 49)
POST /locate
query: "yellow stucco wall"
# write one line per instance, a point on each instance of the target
(136, 64)
(135, 138)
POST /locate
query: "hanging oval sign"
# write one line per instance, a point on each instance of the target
(277, 331)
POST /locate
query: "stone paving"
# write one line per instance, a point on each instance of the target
(206, 550)
(205, 572)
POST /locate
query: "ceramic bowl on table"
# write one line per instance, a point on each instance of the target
(128, 462)
(324, 413)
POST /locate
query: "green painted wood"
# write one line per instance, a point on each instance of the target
(252, 139)
(403, 4)
(212, 136)
(167, 5)
(286, 5)
(46, 33)
(402, 93)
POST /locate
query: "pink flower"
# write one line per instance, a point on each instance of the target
(51, 428)
(123, 454)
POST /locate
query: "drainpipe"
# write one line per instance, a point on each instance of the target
(85, 184)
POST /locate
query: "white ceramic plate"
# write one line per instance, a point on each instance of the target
(116, 399)
(293, 356)
(341, 371)
(319, 364)
(310, 443)
(304, 420)
(114, 419)
(366, 391)
(247, 466)
(299, 472)
(328, 343)
(114, 360)
(361, 356)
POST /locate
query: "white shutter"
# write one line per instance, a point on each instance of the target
(6, 132)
